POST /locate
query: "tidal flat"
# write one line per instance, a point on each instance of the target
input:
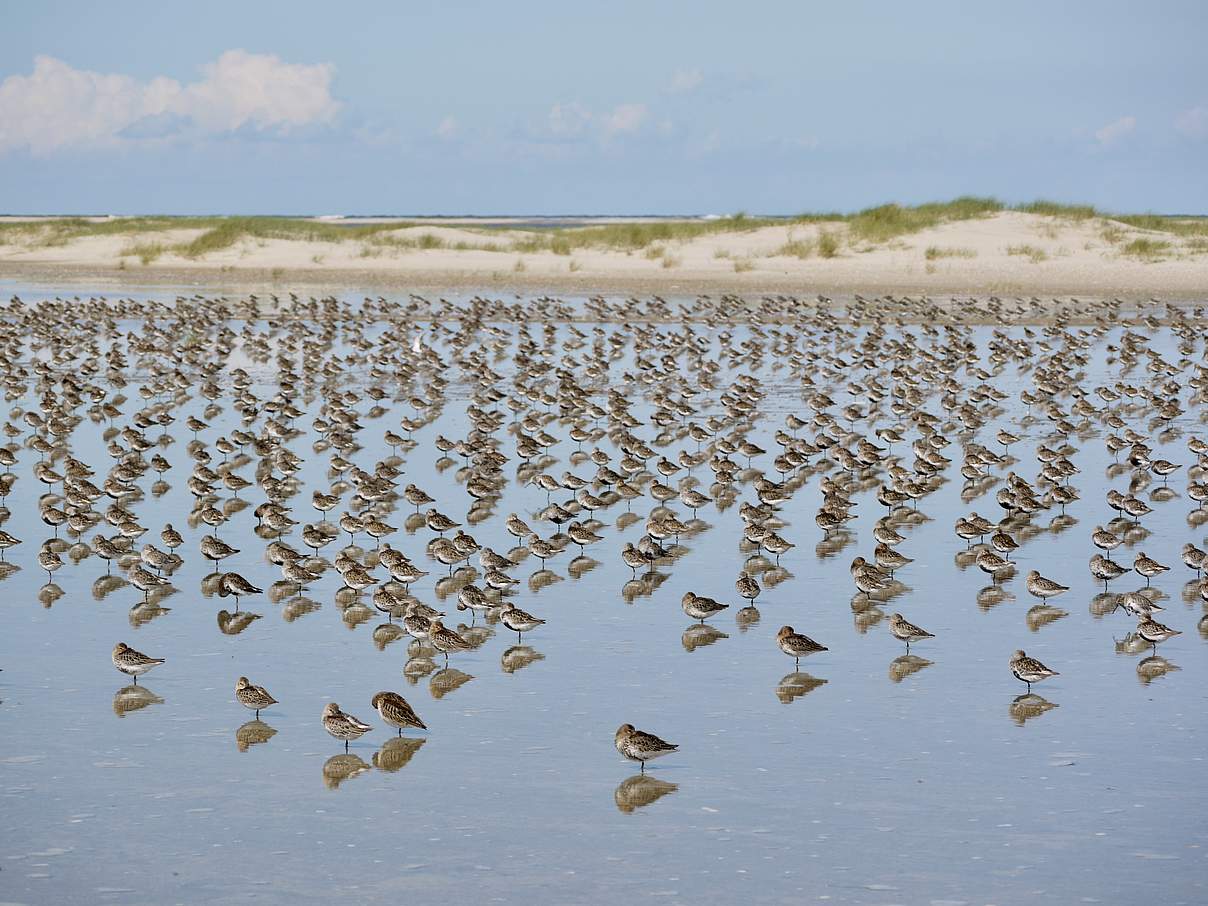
(869, 773)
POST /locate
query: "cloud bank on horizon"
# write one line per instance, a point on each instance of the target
(487, 115)
(57, 107)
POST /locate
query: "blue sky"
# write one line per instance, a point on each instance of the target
(625, 107)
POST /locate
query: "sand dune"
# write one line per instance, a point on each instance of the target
(1006, 252)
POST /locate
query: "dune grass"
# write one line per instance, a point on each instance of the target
(935, 252)
(796, 248)
(231, 230)
(145, 252)
(863, 229)
(1186, 227)
(828, 244)
(1031, 252)
(1047, 208)
(888, 221)
(1145, 248)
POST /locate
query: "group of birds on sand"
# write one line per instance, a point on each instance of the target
(659, 393)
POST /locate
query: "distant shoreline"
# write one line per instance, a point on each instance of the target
(968, 246)
(263, 281)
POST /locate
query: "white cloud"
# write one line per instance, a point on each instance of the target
(625, 118)
(569, 120)
(686, 80)
(447, 128)
(1116, 130)
(573, 120)
(1193, 123)
(57, 106)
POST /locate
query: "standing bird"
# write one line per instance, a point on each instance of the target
(133, 663)
(796, 645)
(233, 584)
(445, 640)
(1029, 670)
(254, 698)
(395, 711)
(517, 620)
(1153, 632)
(747, 587)
(637, 745)
(1042, 588)
(699, 607)
(907, 632)
(214, 549)
(1148, 566)
(343, 726)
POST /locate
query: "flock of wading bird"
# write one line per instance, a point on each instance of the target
(891, 400)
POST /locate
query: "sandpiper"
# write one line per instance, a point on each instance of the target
(1148, 567)
(343, 726)
(444, 640)
(1105, 570)
(699, 607)
(1105, 540)
(133, 663)
(1153, 632)
(747, 586)
(254, 698)
(637, 745)
(796, 645)
(1043, 588)
(214, 549)
(517, 620)
(907, 632)
(395, 711)
(1028, 669)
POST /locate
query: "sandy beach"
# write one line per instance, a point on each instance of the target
(1008, 252)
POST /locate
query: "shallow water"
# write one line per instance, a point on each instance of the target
(860, 778)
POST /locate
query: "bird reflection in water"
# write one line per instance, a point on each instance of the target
(698, 635)
(1154, 667)
(904, 666)
(49, 593)
(447, 680)
(297, 607)
(747, 617)
(581, 566)
(385, 634)
(417, 668)
(253, 733)
(344, 766)
(396, 752)
(234, 623)
(133, 698)
(793, 686)
(1043, 614)
(1029, 706)
(641, 790)
(518, 657)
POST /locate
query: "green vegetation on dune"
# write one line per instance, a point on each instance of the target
(935, 252)
(888, 221)
(1057, 209)
(226, 232)
(861, 230)
(1146, 248)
